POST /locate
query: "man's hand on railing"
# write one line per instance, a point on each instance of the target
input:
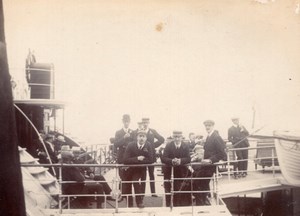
(206, 161)
(176, 161)
(141, 158)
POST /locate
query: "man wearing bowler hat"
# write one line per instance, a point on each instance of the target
(214, 151)
(176, 155)
(237, 135)
(122, 138)
(138, 152)
(155, 139)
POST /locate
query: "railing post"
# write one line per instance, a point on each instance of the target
(273, 163)
(216, 184)
(60, 189)
(228, 164)
(172, 188)
(116, 187)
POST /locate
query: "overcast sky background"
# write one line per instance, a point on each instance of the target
(176, 62)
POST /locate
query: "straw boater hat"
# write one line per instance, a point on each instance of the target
(209, 122)
(177, 133)
(145, 120)
(61, 138)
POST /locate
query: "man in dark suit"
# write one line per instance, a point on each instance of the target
(214, 150)
(191, 141)
(138, 152)
(237, 136)
(122, 138)
(71, 173)
(176, 155)
(155, 139)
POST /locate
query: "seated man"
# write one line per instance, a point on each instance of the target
(79, 187)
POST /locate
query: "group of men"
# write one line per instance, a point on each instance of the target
(138, 147)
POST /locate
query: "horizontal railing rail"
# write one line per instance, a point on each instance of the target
(116, 181)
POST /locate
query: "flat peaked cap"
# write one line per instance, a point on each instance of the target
(145, 120)
(177, 133)
(141, 132)
(209, 122)
(139, 123)
(126, 117)
(234, 118)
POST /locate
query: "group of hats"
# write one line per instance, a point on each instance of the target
(126, 117)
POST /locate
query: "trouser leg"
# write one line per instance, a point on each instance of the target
(143, 183)
(151, 177)
(239, 156)
(138, 190)
(167, 186)
(127, 188)
(245, 157)
(105, 186)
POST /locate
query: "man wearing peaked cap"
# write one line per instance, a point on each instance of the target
(176, 154)
(237, 135)
(155, 139)
(214, 150)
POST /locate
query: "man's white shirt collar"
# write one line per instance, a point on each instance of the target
(126, 130)
(210, 133)
(139, 146)
(177, 145)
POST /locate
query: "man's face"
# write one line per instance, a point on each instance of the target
(177, 139)
(141, 139)
(192, 137)
(145, 125)
(209, 128)
(141, 126)
(126, 123)
(236, 121)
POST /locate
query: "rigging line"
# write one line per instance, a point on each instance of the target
(39, 136)
(248, 136)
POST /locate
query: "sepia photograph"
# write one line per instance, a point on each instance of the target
(150, 107)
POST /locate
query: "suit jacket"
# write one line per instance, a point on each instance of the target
(121, 143)
(152, 135)
(214, 148)
(170, 152)
(236, 134)
(72, 174)
(132, 152)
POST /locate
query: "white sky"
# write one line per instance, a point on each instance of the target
(177, 62)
